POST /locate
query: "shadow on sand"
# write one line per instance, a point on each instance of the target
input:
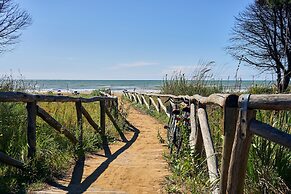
(76, 185)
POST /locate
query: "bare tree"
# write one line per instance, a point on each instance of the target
(12, 21)
(261, 38)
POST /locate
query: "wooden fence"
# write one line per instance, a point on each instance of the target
(239, 126)
(107, 104)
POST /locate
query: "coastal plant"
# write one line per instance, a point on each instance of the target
(54, 152)
(268, 168)
(200, 82)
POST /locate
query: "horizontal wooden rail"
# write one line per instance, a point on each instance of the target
(270, 101)
(24, 97)
(239, 126)
(270, 133)
(218, 99)
(10, 161)
(108, 105)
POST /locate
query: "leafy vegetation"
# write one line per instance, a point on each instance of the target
(55, 153)
(269, 164)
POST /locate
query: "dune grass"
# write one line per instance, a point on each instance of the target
(54, 152)
(269, 164)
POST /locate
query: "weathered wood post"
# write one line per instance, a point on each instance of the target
(159, 104)
(195, 138)
(154, 104)
(150, 102)
(102, 118)
(240, 148)
(162, 106)
(230, 113)
(144, 101)
(138, 98)
(79, 121)
(116, 108)
(141, 99)
(55, 124)
(134, 97)
(209, 147)
(31, 128)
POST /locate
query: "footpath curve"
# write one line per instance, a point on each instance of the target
(137, 166)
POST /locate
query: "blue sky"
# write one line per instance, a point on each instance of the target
(124, 39)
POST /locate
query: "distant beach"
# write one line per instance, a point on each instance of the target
(131, 85)
(90, 85)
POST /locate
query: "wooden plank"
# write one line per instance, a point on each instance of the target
(145, 102)
(208, 145)
(125, 94)
(162, 106)
(154, 104)
(102, 117)
(270, 133)
(270, 101)
(55, 124)
(131, 97)
(31, 128)
(24, 97)
(195, 138)
(218, 99)
(89, 119)
(79, 121)
(230, 119)
(138, 99)
(116, 110)
(239, 156)
(11, 161)
(150, 102)
(114, 122)
(134, 97)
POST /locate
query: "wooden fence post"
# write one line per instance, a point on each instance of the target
(195, 138)
(116, 108)
(102, 117)
(240, 151)
(31, 128)
(230, 114)
(159, 105)
(144, 101)
(79, 121)
(150, 102)
(209, 148)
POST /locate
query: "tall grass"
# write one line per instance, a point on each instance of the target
(269, 165)
(54, 153)
(201, 82)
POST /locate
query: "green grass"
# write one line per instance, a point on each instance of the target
(199, 82)
(54, 152)
(269, 164)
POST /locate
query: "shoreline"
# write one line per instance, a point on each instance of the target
(85, 91)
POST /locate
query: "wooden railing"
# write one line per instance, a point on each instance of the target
(239, 126)
(34, 110)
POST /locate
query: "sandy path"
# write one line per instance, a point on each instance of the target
(133, 167)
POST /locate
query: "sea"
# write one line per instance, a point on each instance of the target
(130, 85)
(90, 85)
